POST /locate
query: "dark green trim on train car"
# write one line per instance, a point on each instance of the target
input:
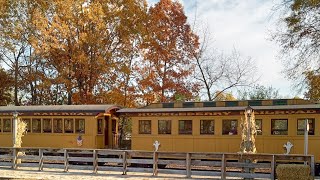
(188, 104)
(279, 102)
(209, 104)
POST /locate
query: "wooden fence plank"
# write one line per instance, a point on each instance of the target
(40, 159)
(66, 160)
(124, 163)
(273, 164)
(155, 164)
(188, 165)
(247, 175)
(95, 161)
(223, 167)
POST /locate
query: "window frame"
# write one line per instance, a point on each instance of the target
(28, 123)
(4, 125)
(77, 125)
(259, 131)
(185, 130)
(71, 129)
(57, 130)
(202, 132)
(311, 131)
(167, 129)
(278, 131)
(142, 126)
(229, 130)
(34, 128)
(45, 130)
(99, 126)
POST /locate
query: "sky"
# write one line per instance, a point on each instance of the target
(244, 25)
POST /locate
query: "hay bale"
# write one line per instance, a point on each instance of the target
(293, 172)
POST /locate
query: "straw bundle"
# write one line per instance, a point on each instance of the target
(293, 172)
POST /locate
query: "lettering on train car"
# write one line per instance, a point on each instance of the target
(63, 114)
(51, 114)
(228, 113)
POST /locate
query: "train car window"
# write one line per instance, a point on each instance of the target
(144, 126)
(100, 126)
(47, 125)
(229, 127)
(279, 126)
(68, 125)
(185, 126)
(164, 126)
(207, 127)
(259, 126)
(57, 125)
(80, 126)
(28, 122)
(301, 126)
(6, 125)
(36, 125)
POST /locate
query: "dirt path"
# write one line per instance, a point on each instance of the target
(34, 174)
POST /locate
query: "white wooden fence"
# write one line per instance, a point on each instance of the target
(222, 165)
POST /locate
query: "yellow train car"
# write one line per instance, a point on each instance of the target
(215, 126)
(62, 126)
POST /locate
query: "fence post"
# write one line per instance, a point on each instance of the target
(188, 165)
(312, 165)
(66, 161)
(124, 163)
(40, 159)
(273, 164)
(95, 161)
(14, 158)
(155, 163)
(223, 167)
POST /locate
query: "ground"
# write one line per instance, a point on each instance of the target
(28, 173)
(34, 174)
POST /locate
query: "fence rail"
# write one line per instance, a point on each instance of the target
(189, 163)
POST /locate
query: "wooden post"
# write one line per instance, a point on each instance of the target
(14, 158)
(312, 165)
(273, 164)
(124, 163)
(223, 167)
(66, 161)
(155, 163)
(188, 165)
(40, 159)
(95, 161)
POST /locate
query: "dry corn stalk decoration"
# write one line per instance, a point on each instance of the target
(21, 131)
(248, 133)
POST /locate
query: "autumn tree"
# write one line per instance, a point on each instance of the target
(299, 38)
(167, 63)
(313, 86)
(7, 84)
(224, 96)
(85, 42)
(14, 34)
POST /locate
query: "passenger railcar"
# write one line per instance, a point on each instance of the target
(62, 126)
(215, 126)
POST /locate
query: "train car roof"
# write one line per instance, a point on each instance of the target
(60, 108)
(208, 109)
